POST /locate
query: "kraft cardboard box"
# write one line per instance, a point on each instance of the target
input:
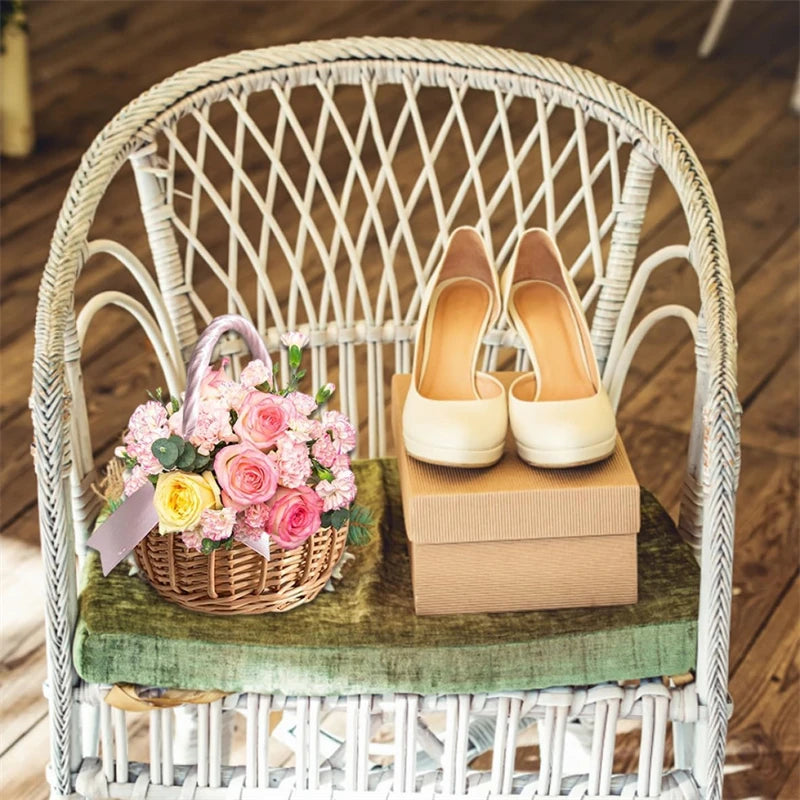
(515, 538)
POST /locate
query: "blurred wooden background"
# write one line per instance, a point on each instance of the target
(90, 58)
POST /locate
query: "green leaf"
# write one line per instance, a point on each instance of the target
(179, 442)
(361, 515)
(234, 417)
(153, 479)
(201, 462)
(175, 403)
(187, 458)
(208, 546)
(166, 451)
(358, 535)
(335, 519)
(361, 523)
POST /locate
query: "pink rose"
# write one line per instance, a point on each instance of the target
(294, 516)
(214, 381)
(245, 475)
(262, 419)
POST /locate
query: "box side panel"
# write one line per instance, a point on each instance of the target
(524, 575)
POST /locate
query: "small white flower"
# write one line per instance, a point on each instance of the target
(294, 338)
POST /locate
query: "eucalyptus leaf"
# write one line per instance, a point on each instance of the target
(166, 451)
(201, 462)
(187, 458)
(179, 442)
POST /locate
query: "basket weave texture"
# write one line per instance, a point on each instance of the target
(239, 580)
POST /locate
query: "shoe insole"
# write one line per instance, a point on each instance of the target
(545, 313)
(459, 313)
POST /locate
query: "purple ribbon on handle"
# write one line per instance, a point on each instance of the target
(125, 528)
(137, 516)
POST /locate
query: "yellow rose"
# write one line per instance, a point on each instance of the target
(181, 497)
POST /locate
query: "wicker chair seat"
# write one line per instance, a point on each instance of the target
(365, 637)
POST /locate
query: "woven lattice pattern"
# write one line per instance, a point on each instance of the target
(279, 176)
(239, 580)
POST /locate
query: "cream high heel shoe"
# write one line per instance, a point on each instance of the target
(560, 413)
(454, 415)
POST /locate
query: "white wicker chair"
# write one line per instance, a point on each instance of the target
(330, 232)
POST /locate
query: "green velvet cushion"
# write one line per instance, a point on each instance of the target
(365, 637)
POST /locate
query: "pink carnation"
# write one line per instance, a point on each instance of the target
(133, 479)
(294, 338)
(244, 532)
(255, 373)
(256, 516)
(303, 404)
(175, 423)
(339, 492)
(217, 389)
(324, 451)
(193, 539)
(341, 464)
(342, 431)
(147, 423)
(304, 429)
(212, 427)
(234, 394)
(217, 524)
(294, 465)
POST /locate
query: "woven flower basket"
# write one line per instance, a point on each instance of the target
(239, 580)
(235, 580)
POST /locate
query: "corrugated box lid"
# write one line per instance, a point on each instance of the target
(512, 500)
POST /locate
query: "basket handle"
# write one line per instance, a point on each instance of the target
(201, 357)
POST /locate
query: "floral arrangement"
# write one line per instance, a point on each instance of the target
(261, 460)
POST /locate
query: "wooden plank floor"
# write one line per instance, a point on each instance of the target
(90, 58)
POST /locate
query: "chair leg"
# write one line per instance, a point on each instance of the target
(795, 101)
(184, 746)
(90, 730)
(683, 744)
(714, 29)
